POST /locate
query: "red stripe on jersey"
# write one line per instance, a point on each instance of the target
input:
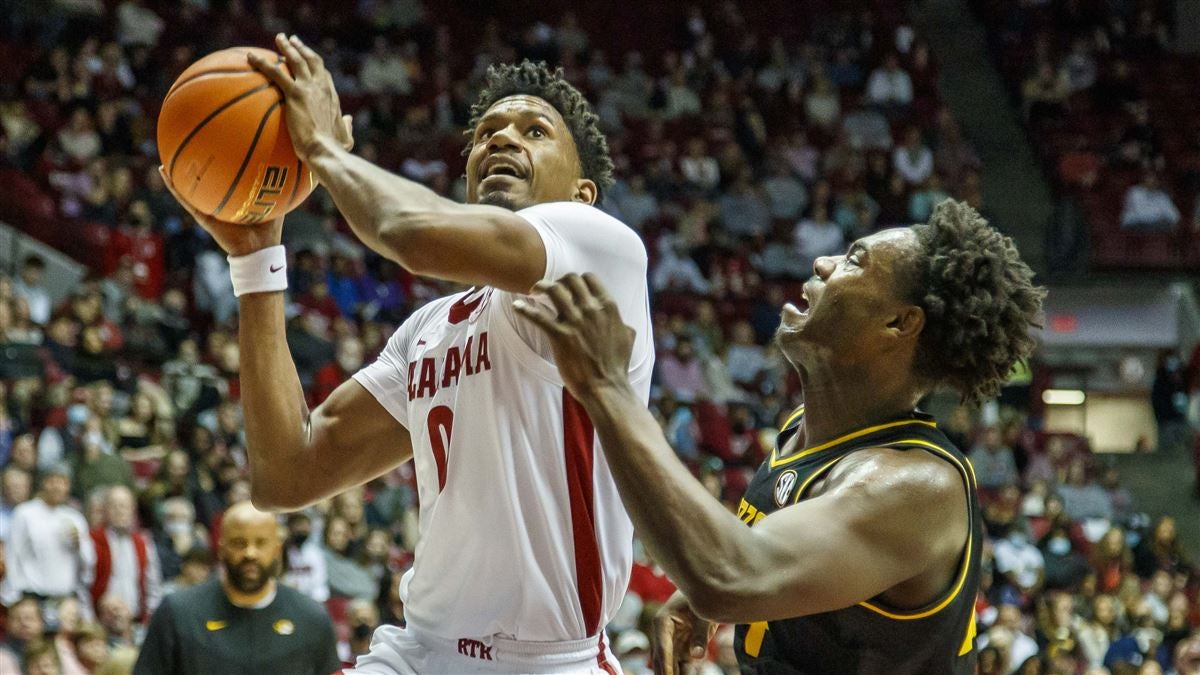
(602, 658)
(578, 436)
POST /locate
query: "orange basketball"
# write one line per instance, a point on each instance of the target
(224, 143)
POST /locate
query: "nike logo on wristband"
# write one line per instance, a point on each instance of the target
(275, 269)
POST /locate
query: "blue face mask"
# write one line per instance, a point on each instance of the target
(1059, 546)
(77, 414)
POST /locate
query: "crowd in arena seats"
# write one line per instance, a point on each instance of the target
(1100, 91)
(746, 143)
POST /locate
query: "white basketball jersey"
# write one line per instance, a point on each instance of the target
(522, 532)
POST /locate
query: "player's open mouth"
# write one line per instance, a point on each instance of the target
(502, 166)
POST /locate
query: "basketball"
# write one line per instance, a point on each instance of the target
(224, 144)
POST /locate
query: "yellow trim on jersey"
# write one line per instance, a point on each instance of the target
(792, 418)
(969, 638)
(754, 637)
(775, 461)
(966, 563)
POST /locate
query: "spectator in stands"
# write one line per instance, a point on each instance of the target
(305, 568)
(29, 287)
(822, 105)
(637, 205)
(922, 201)
(786, 196)
(1082, 498)
(676, 271)
(1045, 95)
(681, 373)
(1169, 400)
(994, 464)
(48, 552)
(385, 70)
(745, 361)
(127, 563)
(116, 618)
(1112, 561)
(699, 169)
(363, 617)
(347, 578)
(16, 483)
(816, 236)
(179, 534)
(347, 360)
(743, 211)
(889, 87)
(1161, 550)
(1020, 564)
(24, 626)
(96, 469)
(867, 130)
(41, 658)
(1080, 66)
(1065, 566)
(1148, 208)
(913, 160)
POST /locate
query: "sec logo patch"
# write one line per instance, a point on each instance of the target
(783, 487)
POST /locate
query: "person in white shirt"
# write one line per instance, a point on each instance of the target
(525, 549)
(29, 286)
(49, 553)
(913, 160)
(127, 564)
(889, 85)
(305, 562)
(1148, 208)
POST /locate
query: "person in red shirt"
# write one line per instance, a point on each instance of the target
(347, 360)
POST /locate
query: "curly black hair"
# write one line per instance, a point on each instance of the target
(979, 301)
(536, 79)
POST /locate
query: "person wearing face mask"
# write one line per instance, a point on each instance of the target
(363, 617)
(95, 466)
(1065, 567)
(178, 535)
(1019, 561)
(305, 562)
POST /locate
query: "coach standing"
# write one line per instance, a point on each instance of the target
(244, 622)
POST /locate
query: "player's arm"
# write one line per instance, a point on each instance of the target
(298, 457)
(877, 524)
(400, 219)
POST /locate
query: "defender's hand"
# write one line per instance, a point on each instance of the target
(310, 100)
(679, 636)
(591, 344)
(233, 238)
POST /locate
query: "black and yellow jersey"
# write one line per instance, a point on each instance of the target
(869, 637)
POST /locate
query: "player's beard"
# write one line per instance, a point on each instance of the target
(245, 584)
(499, 198)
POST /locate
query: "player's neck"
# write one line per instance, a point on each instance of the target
(250, 600)
(842, 402)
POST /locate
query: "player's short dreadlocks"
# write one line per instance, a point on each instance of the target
(536, 79)
(979, 301)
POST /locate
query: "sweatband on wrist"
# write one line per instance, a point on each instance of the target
(263, 271)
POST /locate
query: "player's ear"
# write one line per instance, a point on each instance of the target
(585, 191)
(907, 321)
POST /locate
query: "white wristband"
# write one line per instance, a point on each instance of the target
(263, 271)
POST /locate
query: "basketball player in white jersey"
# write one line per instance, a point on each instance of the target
(525, 549)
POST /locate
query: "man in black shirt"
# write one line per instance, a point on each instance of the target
(244, 622)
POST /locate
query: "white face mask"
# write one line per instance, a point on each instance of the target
(1059, 546)
(177, 527)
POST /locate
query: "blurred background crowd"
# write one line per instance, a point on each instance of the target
(748, 140)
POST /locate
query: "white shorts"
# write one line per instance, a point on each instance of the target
(412, 651)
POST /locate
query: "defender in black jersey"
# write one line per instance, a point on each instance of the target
(862, 551)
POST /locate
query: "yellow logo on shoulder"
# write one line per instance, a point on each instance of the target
(284, 627)
(215, 625)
